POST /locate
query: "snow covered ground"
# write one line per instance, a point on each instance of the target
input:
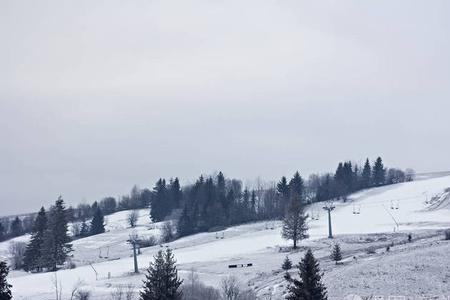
(372, 218)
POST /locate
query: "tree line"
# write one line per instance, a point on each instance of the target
(216, 201)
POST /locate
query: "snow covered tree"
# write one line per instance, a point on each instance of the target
(5, 287)
(32, 258)
(336, 254)
(287, 264)
(310, 286)
(98, 222)
(378, 172)
(162, 281)
(56, 245)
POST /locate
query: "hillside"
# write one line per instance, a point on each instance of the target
(371, 218)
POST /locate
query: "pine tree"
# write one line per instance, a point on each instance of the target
(32, 257)
(175, 192)
(283, 192)
(16, 227)
(5, 287)
(296, 188)
(310, 286)
(287, 264)
(294, 224)
(162, 281)
(336, 254)
(56, 245)
(98, 222)
(366, 175)
(378, 172)
(160, 203)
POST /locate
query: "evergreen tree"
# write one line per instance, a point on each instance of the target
(84, 231)
(296, 188)
(294, 224)
(175, 192)
(32, 258)
(16, 227)
(287, 264)
(336, 254)
(283, 192)
(366, 175)
(310, 286)
(185, 225)
(56, 245)
(98, 222)
(162, 281)
(378, 172)
(160, 205)
(5, 287)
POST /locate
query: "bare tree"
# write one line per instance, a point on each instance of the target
(17, 251)
(230, 288)
(132, 218)
(193, 289)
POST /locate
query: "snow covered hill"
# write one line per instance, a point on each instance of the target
(371, 218)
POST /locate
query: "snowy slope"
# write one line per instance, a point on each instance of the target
(256, 243)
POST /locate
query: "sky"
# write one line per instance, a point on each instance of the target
(96, 96)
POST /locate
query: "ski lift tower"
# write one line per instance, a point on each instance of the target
(329, 207)
(134, 241)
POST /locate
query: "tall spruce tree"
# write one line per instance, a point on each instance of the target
(32, 258)
(56, 245)
(5, 287)
(310, 286)
(98, 222)
(162, 281)
(160, 205)
(176, 195)
(283, 192)
(366, 175)
(378, 172)
(294, 222)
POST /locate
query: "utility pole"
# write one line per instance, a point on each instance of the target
(329, 207)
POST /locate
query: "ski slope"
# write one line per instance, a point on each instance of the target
(397, 208)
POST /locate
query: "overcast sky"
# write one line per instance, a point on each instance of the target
(96, 96)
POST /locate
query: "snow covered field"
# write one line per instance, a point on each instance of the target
(369, 219)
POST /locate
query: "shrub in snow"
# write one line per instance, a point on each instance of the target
(132, 218)
(82, 295)
(371, 250)
(147, 242)
(447, 234)
(287, 264)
